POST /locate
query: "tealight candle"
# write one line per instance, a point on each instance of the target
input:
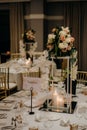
(27, 62)
(61, 101)
(55, 94)
(58, 101)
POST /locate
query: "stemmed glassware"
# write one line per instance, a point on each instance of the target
(19, 116)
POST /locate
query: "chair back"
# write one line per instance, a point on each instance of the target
(4, 71)
(11, 86)
(36, 55)
(3, 92)
(82, 77)
(33, 73)
(15, 55)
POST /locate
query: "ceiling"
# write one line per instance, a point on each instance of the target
(5, 1)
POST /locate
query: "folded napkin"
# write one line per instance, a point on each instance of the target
(6, 106)
(8, 101)
(8, 128)
(3, 116)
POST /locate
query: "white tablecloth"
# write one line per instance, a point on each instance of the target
(18, 67)
(44, 120)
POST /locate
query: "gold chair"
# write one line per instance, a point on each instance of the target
(36, 55)
(3, 92)
(15, 55)
(82, 77)
(33, 74)
(4, 72)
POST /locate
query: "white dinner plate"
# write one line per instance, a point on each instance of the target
(53, 117)
(35, 103)
(8, 128)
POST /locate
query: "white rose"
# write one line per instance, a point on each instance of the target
(63, 45)
(66, 29)
(62, 33)
(68, 40)
(51, 36)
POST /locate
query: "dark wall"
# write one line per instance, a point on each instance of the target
(4, 31)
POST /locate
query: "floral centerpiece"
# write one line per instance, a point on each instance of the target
(28, 37)
(61, 43)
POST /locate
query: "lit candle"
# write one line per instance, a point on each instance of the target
(57, 102)
(55, 94)
(28, 62)
(61, 101)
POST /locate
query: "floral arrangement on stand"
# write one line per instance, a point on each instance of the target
(60, 43)
(22, 49)
(28, 40)
(29, 36)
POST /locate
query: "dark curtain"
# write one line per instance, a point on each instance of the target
(16, 25)
(75, 16)
(83, 36)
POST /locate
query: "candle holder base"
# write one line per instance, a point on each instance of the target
(31, 113)
(65, 109)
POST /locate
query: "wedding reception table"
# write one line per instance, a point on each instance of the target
(19, 66)
(15, 72)
(15, 109)
(18, 105)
